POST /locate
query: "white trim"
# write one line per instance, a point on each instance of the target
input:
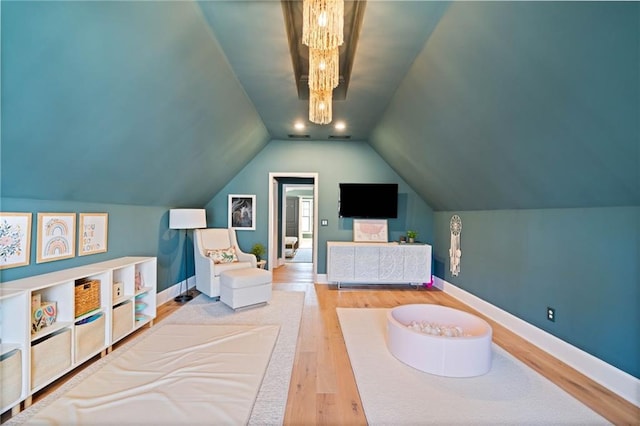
(614, 379)
(170, 293)
(272, 249)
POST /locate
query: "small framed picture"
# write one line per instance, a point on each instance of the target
(92, 233)
(370, 230)
(242, 212)
(56, 236)
(15, 239)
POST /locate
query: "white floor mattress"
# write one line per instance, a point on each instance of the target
(179, 374)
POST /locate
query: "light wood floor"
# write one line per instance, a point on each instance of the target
(323, 389)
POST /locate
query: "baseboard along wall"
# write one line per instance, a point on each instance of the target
(614, 379)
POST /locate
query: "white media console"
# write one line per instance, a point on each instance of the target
(378, 263)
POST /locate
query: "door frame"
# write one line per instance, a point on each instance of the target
(274, 202)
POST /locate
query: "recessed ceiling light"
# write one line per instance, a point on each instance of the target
(340, 125)
(299, 125)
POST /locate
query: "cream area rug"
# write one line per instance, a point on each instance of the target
(394, 393)
(223, 383)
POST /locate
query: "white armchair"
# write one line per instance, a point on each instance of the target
(208, 272)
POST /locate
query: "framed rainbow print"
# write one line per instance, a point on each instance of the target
(92, 233)
(15, 239)
(56, 236)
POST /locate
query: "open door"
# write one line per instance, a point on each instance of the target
(296, 218)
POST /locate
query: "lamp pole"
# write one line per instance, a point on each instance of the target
(184, 297)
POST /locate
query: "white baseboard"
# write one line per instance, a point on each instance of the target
(321, 279)
(169, 293)
(614, 379)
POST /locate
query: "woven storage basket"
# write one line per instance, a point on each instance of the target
(10, 378)
(87, 296)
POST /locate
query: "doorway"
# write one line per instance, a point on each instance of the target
(298, 223)
(293, 207)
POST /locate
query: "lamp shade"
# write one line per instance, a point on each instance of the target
(187, 218)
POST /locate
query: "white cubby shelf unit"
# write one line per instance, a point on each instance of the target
(29, 361)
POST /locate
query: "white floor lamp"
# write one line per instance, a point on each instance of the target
(186, 219)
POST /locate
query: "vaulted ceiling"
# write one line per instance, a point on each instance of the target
(477, 105)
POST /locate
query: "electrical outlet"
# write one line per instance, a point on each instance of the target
(551, 314)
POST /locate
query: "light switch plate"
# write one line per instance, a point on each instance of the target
(324, 222)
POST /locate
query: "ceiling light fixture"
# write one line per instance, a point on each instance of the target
(320, 108)
(323, 69)
(299, 125)
(340, 125)
(322, 32)
(323, 23)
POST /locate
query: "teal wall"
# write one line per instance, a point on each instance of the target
(130, 102)
(334, 162)
(521, 105)
(582, 262)
(133, 231)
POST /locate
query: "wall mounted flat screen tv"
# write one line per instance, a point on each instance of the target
(368, 200)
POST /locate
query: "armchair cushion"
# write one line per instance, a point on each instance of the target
(226, 255)
(221, 267)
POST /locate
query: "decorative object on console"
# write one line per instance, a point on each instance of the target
(412, 235)
(186, 219)
(36, 301)
(242, 212)
(93, 230)
(56, 236)
(139, 281)
(370, 230)
(43, 316)
(455, 253)
(15, 239)
(118, 290)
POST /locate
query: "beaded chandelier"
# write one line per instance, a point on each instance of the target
(323, 23)
(323, 69)
(323, 32)
(320, 108)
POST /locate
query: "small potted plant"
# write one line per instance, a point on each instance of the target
(411, 235)
(258, 250)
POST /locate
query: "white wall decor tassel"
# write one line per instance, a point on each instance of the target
(454, 251)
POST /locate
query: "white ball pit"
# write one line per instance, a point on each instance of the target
(465, 356)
